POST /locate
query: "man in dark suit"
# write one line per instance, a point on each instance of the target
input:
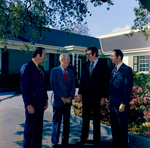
(92, 91)
(120, 87)
(63, 86)
(33, 88)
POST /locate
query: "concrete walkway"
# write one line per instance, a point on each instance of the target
(12, 125)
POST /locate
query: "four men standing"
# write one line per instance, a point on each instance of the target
(93, 92)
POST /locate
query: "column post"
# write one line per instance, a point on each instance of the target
(77, 65)
(72, 59)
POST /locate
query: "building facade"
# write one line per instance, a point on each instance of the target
(136, 50)
(55, 43)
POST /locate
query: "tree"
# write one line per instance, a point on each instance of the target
(16, 16)
(81, 29)
(141, 23)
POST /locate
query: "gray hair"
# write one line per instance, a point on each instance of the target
(62, 56)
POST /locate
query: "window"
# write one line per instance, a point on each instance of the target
(141, 63)
(144, 63)
(45, 64)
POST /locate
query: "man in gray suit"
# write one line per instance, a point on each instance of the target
(63, 86)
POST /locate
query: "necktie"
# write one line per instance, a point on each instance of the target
(115, 71)
(65, 75)
(41, 71)
(91, 68)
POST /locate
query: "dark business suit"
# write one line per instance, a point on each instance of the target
(120, 88)
(33, 88)
(92, 90)
(61, 89)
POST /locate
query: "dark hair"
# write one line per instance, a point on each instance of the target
(93, 50)
(119, 53)
(38, 50)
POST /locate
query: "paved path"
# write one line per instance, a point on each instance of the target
(12, 125)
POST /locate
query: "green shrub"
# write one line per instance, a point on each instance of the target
(142, 80)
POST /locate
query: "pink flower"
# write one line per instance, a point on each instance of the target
(145, 101)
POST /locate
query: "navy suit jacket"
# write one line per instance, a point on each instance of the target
(120, 86)
(33, 86)
(59, 86)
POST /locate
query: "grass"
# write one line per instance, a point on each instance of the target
(142, 130)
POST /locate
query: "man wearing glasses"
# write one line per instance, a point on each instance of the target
(92, 92)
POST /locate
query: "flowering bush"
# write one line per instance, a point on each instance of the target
(105, 114)
(142, 80)
(139, 110)
(77, 106)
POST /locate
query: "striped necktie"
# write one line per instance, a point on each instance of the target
(115, 71)
(41, 71)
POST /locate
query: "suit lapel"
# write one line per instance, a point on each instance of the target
(95, 67)
(35, 69)
(118, 72)
(68, 76)
(87, 69)
(62, 74)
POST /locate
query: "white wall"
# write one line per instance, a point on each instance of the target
(128, 60)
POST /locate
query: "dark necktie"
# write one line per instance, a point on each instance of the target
(91, 68)
(41, 71)
(115, 71)
(65, 75)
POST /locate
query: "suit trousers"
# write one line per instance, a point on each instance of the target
(119, 127)
(33, 129)
(87, 106)
(58, 113)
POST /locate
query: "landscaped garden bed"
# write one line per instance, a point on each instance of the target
(139, 111)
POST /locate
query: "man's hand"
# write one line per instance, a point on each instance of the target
(46, 106)
(122, 108)
(79, 97)
(102, 102)
(68, 100)
(108, 107)
(30, 109)
(64, 99)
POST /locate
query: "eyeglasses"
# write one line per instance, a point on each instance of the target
(88, 54)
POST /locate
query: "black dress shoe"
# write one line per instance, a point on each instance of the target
(97, 144)
(111, 146)
(81, 142)
(54, 145)
(65, 144)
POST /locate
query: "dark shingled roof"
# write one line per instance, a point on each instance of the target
(62, 38)
(124, 43)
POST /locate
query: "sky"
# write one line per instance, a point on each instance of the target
(119, 17)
